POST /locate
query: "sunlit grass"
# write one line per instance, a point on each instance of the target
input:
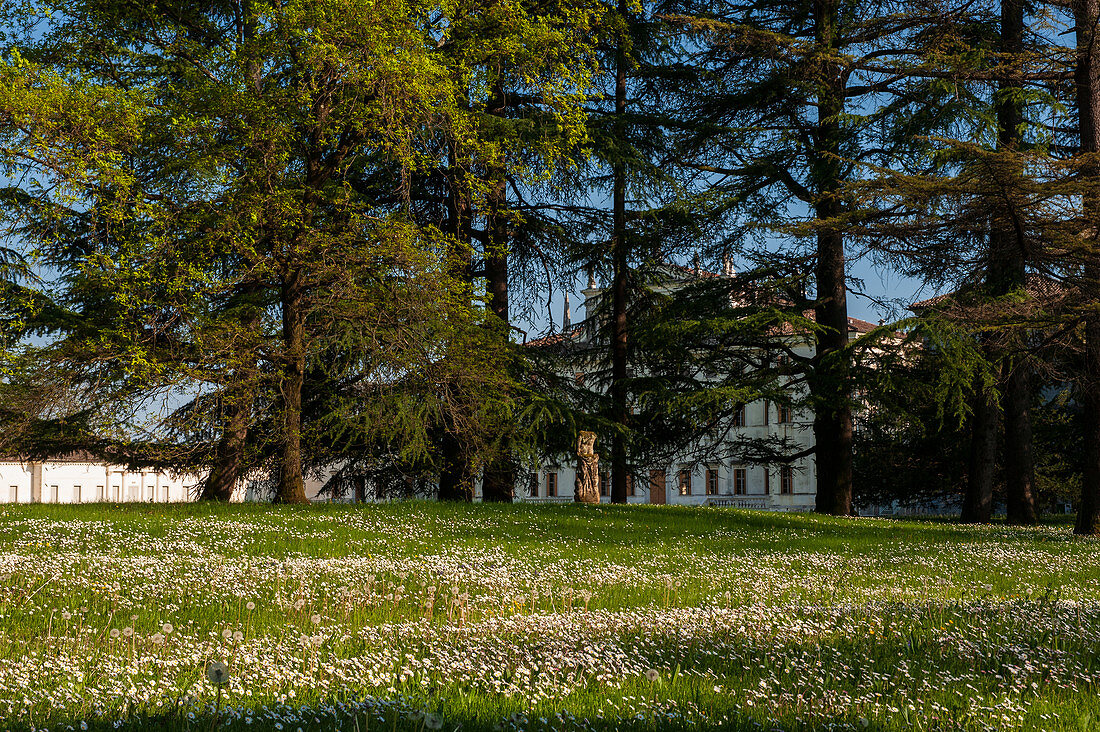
(540, 617)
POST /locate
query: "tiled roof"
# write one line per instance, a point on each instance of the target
(860, 326)
(77, 456)
(690, 271)
(855, 325)
(1037, 286)
(555, 339)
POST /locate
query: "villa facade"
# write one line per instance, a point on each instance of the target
(781, 487)
(85, 479)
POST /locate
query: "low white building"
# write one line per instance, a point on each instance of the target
(85, 479)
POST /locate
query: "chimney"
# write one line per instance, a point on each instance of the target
(566, 322)
(696, 264)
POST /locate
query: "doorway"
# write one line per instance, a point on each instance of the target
(657, 487)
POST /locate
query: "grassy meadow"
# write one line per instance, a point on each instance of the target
(418, 616)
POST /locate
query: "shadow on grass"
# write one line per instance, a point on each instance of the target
(367, 714)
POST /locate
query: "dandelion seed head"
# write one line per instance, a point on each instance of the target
(217, 673)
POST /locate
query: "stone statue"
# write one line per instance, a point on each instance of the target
(586, 489)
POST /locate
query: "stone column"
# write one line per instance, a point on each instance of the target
(36, 482)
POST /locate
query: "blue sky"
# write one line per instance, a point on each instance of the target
(880, 285)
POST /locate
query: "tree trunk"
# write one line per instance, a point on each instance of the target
(1087, 78)
(229, 452)
(291, 488)
(1088, 508)
(620, 414)
(456, 480)
(498, 484)
(499, 479)
(1020, 495)
(978, 503)
(1008, 272)
(829, 383)
(229, 458)
(456, 473)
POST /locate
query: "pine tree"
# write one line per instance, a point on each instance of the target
(213, 241)
(799, 106)
(1086, 19)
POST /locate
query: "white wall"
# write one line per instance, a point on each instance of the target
(70, 481)
(757, 493)
(15, 483)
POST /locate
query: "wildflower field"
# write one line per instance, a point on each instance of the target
(422, 616)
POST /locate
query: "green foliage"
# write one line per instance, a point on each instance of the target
(220, 197)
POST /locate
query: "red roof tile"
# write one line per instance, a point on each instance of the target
(1037, 286)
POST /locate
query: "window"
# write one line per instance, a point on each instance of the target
(551, 485)
(605, 485)
(164, 492)
(739, 481)
(685, 482)
(630, 486)
(712, 482)
(77, 498)
(767, 408)
(54, 493)
(786, 480)
(784, 414)
(767, 482)
(739, 416)
(533, 485)
(100, 493)
(13, 494)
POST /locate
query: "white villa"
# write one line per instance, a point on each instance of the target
(776, 487)
(82, 478)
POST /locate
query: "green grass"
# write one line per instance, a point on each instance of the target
(540, 617)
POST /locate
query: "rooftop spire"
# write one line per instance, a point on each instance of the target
(566, 322)
(727, 266)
